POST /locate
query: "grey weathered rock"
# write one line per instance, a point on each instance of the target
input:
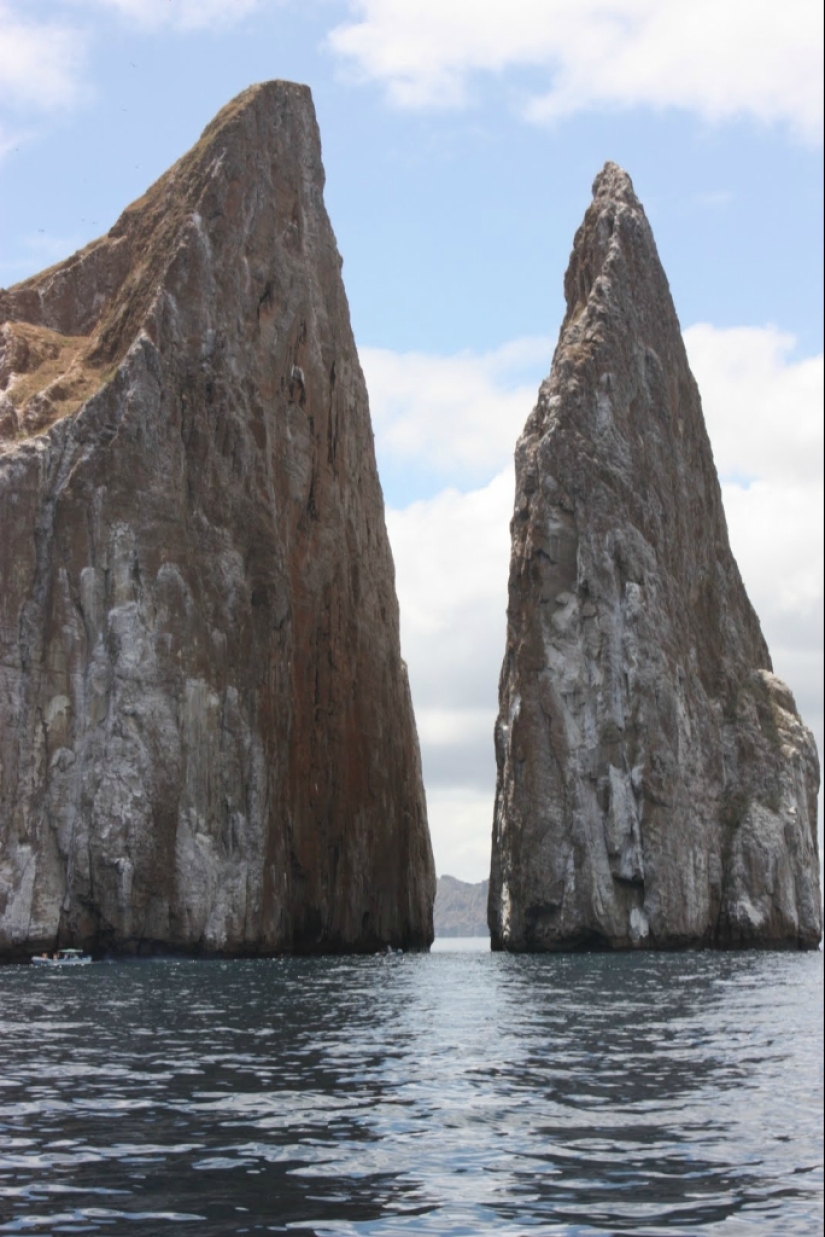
(656, 786)
(206, 735)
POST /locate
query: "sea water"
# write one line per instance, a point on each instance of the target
(460, 1092)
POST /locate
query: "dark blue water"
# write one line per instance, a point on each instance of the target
(455, 1093)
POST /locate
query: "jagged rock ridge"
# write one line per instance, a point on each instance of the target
(206, 735)
(656, 786)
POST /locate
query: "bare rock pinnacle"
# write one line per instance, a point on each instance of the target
(656, 786)
(206, 735)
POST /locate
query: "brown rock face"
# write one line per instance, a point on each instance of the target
(656, 787)
(206, 735)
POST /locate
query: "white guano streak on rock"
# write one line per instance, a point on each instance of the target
(198, 627)
(656, 787)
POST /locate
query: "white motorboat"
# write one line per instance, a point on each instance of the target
(63, 957)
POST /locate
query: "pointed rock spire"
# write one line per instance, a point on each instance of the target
(656, 786)
(206, 735)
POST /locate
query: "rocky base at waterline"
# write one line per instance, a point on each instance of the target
(206, 736)
(656, 786)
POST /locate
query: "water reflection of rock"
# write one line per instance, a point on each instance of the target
(483, 1092)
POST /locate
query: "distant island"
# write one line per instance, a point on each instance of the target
(460, 908)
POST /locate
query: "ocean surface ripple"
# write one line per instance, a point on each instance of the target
(455, 1093)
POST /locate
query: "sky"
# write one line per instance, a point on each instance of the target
(460, 142)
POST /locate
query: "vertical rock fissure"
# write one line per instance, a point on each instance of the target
(198, 622)
(656, 786)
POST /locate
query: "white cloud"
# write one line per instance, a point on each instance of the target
(776, 528)
(452, 553)
(452, 556)
(776, 533)
(41, 63)
(763, 411)
(182, 14)
(720, 58)
(764, 416)
(458, 416)
(461, 822)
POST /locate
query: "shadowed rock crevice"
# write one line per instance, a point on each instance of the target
(656, 786)
(206, 736)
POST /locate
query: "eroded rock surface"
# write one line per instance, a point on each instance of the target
(206, 735)
(656, 786)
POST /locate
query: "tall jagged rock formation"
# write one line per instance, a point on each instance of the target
(206, 735)
(656, 786)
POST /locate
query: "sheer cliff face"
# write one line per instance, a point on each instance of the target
(206, 735)
(656, 786)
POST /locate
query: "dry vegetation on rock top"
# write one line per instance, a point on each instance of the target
(206, 735)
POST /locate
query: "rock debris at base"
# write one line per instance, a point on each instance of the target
(656, 786)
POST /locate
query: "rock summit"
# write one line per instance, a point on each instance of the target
(206, 737)
(656, 786)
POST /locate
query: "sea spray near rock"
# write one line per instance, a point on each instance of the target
(206, 735)
(656, 786)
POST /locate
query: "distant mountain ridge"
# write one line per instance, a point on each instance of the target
(460, 908)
